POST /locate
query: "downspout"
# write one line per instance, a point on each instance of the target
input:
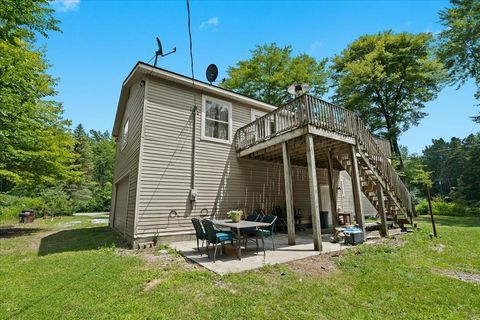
(193, 190)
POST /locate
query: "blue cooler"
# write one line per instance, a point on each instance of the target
(353, 236)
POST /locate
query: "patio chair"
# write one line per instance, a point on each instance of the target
(200, 233)
(253, 217)
(263, 232)
(281, 223)
(268, 231)
(215, 237)
(246, 232)
(298, 216)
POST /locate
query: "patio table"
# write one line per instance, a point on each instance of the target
(242, 224)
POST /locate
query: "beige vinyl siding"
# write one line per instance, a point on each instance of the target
(223, 181)
(126, 160)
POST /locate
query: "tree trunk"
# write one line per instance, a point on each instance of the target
(392, 136)
(396, 151)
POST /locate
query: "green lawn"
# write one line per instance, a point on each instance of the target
(58, 271)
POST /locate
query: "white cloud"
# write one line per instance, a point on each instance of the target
(66, 5)
(214, 21)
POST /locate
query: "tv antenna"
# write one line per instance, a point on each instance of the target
(159, 52)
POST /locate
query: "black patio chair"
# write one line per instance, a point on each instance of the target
(200, 233)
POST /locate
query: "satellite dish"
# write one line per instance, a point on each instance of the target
(159, 52)
(212, 73)
(298, 89)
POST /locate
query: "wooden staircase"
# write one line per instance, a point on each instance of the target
(376, 170)
(369, 181)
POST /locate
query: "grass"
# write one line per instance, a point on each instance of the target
(57, 270)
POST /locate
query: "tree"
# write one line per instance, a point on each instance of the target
(22, 19)
(459, 43)
(386, 79)
(455, 167)
(83, 149)
(270, 70)
(103, 147)
(35, 144)
(434, 157)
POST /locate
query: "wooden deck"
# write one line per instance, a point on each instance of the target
(313, 133)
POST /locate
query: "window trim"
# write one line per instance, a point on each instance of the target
(124, 138)
(229, 106)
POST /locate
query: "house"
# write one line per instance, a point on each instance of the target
(186, 149)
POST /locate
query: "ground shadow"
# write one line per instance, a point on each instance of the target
(80, 240)
(12, 232)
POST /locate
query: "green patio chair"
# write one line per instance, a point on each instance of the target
(215, 237)
(268, 231)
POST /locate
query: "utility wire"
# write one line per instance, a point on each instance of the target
(191, 43)
(194, 109)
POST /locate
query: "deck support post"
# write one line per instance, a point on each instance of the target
(381, 211)
(357, 191)
(332, 191)
(287, 174)
(314, 199)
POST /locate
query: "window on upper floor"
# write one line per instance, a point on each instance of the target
(123, 141)
(216, 120)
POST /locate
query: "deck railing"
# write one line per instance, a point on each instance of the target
(308, 110)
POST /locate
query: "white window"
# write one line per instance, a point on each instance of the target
(124, 135)
(216, 120)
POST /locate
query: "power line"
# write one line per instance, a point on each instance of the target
(194, 109)
(190, 42)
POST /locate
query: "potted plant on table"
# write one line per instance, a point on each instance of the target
(235, 215)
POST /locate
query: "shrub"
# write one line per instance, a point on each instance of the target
(56, 202)
(11, 206)
(440, 207)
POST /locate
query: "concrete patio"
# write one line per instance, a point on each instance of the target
(228, 262)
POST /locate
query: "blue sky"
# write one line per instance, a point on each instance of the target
(102, 41)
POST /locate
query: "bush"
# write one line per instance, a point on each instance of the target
(51, 202)
(11, 206)
(440, 207)
(56, 202)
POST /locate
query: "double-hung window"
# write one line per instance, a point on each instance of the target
(216, 120)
